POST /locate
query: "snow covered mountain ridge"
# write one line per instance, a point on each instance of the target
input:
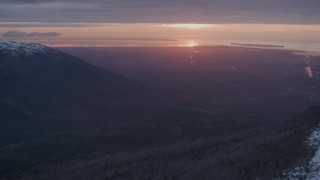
(13, 48)
(310, 170)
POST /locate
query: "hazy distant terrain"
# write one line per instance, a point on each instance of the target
(233, 81)
(158, 113)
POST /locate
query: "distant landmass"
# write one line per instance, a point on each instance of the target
(259, 45)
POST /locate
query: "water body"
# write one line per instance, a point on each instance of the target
(303, 48)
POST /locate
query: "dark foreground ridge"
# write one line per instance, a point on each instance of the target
(43, 90)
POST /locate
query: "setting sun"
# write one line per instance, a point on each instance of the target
(189, 44)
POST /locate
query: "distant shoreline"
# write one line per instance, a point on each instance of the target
(258, 45)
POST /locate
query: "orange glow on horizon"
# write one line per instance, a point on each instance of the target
(190, 26)
(165, 34)
(190, 44)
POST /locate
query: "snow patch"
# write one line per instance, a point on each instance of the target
(311, 170)
(17, 49)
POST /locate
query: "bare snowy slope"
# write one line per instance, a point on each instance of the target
(12, 48)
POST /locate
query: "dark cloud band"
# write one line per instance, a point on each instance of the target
(20, 34)
(30, 24)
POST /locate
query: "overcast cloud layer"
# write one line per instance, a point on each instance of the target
(164, 11)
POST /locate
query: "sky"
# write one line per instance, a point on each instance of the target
(157, 23)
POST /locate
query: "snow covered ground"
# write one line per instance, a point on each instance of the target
(311, 170)
(16, 49)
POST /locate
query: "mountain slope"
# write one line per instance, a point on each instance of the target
(45, 90)
(253, 153)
